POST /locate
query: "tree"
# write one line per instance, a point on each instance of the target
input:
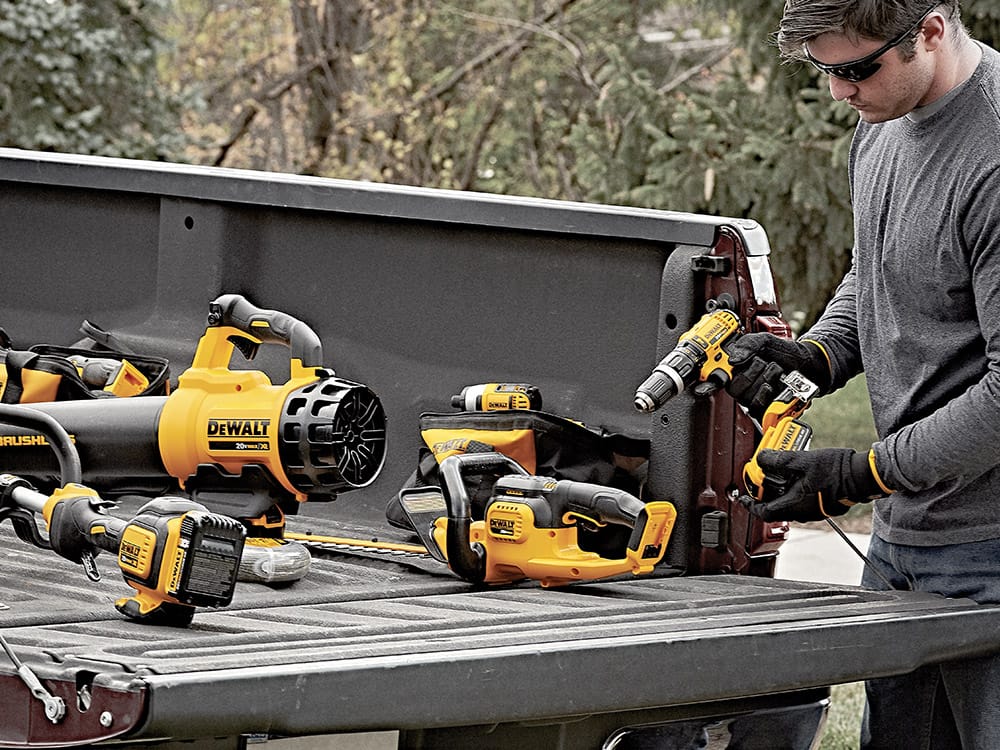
(741, 138)
(565, 99)
(678, 105)
(747, 137)
(81, 77)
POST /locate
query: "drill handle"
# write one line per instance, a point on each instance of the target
(235, 312)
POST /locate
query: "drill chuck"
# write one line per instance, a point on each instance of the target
(674, 373)
(663, 384)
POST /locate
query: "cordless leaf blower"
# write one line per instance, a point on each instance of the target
(230, 439)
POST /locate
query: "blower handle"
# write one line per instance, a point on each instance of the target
(234, 311)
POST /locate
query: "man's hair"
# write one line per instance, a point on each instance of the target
(804, 20)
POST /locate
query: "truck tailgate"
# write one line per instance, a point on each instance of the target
(363, 644)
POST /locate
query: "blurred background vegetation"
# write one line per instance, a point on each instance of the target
(669, 104)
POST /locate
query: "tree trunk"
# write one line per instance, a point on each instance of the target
(326, 38)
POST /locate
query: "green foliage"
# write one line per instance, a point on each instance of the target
(671, 104)
(844, 418)
(81, 77)
(843, 727)
(738, 140)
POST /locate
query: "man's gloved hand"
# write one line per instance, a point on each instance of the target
(817, 484)
(759, 360)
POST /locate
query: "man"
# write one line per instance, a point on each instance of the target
(919, 313)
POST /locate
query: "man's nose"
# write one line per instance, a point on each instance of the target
(841, 89)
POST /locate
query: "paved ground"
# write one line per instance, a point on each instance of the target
(812, 554)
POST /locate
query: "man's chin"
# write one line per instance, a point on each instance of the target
(873, 116)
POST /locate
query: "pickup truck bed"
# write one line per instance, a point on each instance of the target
(417, 293)
(363, 644)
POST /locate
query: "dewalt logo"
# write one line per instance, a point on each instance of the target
(129, 554)
(176, 569)
(788, 440)
(238, 427)
(502, 525)
(505, 522)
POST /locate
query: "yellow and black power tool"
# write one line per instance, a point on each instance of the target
(781, 430)
(173, 552)
(232, 440)
(699, 355)
(498, 397)
(530, 526)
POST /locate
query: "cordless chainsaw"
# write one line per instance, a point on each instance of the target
(531, 524)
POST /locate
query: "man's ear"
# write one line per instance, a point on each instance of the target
(935, 31)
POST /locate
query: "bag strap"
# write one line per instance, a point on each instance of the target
(31, 378)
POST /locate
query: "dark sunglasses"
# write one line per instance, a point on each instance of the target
(865, 67)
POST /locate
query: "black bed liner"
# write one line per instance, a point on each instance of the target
(349, 647)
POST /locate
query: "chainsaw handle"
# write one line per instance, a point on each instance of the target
(455, 468)
(267, 326)
(607, 504)
(467, 560)
(612, 505)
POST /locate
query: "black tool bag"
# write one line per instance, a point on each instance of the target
(98, 366)
(544, 444)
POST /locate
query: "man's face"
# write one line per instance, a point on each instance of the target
(896, 88)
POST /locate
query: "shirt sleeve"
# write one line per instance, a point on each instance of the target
(837, 332)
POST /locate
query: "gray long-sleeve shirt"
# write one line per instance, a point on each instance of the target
(919, 311)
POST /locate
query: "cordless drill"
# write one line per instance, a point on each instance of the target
(174, 553)
(699, 355)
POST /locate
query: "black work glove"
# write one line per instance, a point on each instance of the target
(816, 484)
(759, 360)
